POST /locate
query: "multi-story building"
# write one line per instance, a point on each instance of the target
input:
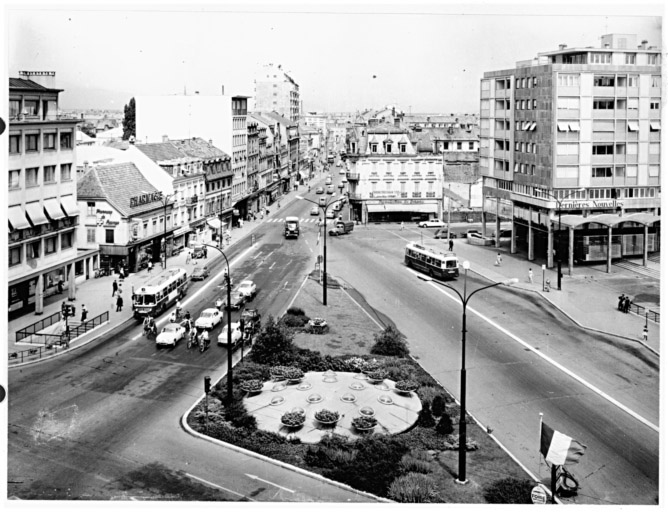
(286, 148)
(276, 91)
(253, 166)
(219, 119)
(571, 140)
(389, 179)
(42, 199)
(268, 145)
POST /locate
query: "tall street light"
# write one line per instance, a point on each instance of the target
(559, 201)
(324, 243)
(462, 413)
(228, 282)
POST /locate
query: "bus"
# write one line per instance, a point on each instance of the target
(160, 292)
(437, 264)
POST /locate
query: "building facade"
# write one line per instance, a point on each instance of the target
(42, 197)
(276, 91)
(571, 140)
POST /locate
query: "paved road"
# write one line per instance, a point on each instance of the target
(509, 384)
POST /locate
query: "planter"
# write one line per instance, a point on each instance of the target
(293, 420)
(326, 417)
(252, 387)
(364, 424)
(405, 387)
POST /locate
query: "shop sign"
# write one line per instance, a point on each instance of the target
(385, 193)
(235, 212)
(145, 198)
(584, 205)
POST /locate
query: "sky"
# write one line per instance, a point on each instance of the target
(426, 57)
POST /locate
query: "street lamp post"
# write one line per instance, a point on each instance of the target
(462, 413)
(559, 201)
(324, 243)
(228, 282)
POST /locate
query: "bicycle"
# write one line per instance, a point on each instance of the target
(192, 340)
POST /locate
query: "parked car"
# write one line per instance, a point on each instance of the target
(315, 210)
(468, 232)
(209, 318)
(198, 251)
(319, 190)
(170, 335)
(248, 289)
(433, 223)
(236, 335)
(199, 273)
(443, 233)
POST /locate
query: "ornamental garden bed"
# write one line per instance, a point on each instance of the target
(418, 465)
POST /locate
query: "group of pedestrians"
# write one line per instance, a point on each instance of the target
(624, 304)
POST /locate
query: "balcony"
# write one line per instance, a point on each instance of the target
(192, 200)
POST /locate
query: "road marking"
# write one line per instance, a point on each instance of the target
(551, 361)
(192, 297)
(268, 482)
(218, 486)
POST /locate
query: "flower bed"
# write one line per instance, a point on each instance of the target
(376, 375)
(252, 385)
(364, 423)
(293, 374)
(406, 386)
(293, 419)
(327, 417)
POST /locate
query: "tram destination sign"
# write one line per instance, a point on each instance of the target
(145, 198)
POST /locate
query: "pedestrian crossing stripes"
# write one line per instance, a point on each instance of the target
(639, 269)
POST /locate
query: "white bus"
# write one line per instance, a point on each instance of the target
(437, 264)
(160, 292)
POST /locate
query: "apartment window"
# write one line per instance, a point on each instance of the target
(534, 82)
(632, 148)
(32, 142)
(620, 171)
(604, 125)
(599, 58)
(568, 103)
(33, 250)
(653, 171)
(30, 107)
(517, 83)
(32, 176)
(568, 149)
(49, 174)
(601, 172)
(518, 105)
(604, 81)
(50, 245)
(65, 140)
(402, 148)
(620, 148)
(633, 80)
(654, 148)
(654, 126)
(630, 58)
(109, 236)
(14, 108)
(14, 144)
(374, 148)
(534, 104)
(90, 209)
(533, 170)
(90, 235)
(388, 147)
(155, 222)
(621, 104)
(653, 59)
(471, 145)
(568, 80)
(14, 179)
(49, 141)
(602, 149)
(631, 171)
(14, 256)
(603, 104)
(656, 81)
(654, 104)
(66, 240)
(632, 104)
(459, 145)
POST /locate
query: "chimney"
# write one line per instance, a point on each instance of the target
(43, 78)
(165, 138)
(643, 44)
(82, 116)
(222, 89)
(562, 46)
(606, 45)
(397, 122)
(196, 93)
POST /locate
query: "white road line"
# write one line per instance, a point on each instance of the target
(268, 482)
(218, 486)
(549, 360)
(198, 292)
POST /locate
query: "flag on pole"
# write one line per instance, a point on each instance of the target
(558, 448)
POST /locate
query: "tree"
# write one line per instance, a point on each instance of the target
(129, 120)
(273, 345)
(390, 342)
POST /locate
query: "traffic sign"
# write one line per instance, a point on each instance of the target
(538, 495)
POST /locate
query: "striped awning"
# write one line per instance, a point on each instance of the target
(69, 204)
(35, 212)
(17, 218)
(52, 207)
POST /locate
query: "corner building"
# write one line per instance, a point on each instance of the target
(571, 140)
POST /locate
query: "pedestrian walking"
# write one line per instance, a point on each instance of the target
(627, 305)
(644, 333)
(121, 272)
(60, 286)
(498, 260)
(620, 304)
(149, 266)
(548, 285)
(188, 257)
(119, 303)
(114, 287)
(205, 252)
(241, 223)
(451, 245)
(531, 276)
(84, 313)
(402, 226)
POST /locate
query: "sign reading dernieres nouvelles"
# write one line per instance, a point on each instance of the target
(584, 205)
(145, 198)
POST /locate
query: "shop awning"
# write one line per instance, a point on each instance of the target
(52, 207)
(17, 218)
(214, 223)
(419, 208)
(69, 204)
(36, 213)
(182, 231)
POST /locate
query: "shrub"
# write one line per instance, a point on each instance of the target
(238, 416)
(390, 342)
(509, 490)
(330, 452)
(247, 371)
(397, 371)
(428, 393)
(273, 345)
(452, 443)
(413, 488)
(309, 360)
(425, 419)
(295, 311)
(438, 406)
(419, 438)
(444, 426)
(294, 321)
(454, 411)
(417, 461)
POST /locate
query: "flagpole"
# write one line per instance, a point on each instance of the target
(540, 438)
(553, 484)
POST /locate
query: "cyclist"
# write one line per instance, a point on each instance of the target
(173, 317)
(193, 338)
(178, 309)
(188, 322)
(146, 324)
(205, 338)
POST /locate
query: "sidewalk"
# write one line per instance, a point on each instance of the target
(589, 297)
(96, 293)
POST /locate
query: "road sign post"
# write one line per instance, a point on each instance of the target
(538, 495)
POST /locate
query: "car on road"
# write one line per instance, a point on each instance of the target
(315, 210)
(433, 223)
(344, 180)
(170, 335)
(468, 232)
(328, 181)
(251, 318)
(443, 233)
(199, 273)
(248, 289)
(342, 171)
(319, 190)
(236, 334)
(330, 189)
(331, 214)
(209, 318)
(237, 299)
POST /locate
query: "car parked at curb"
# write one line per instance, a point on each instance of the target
(315, 210)
(443, 233)
(473, 232)
(433, 223)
